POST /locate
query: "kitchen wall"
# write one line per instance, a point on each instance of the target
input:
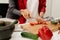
(48, 7)
(56, 8)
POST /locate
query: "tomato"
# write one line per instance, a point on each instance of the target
(44, 22)
(39, 22)
(36, 23)
(32, 23)
(45, 33)
(41, 34)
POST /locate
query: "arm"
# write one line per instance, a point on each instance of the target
(43, 7)
(12, 8)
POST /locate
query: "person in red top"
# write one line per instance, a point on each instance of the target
(25, 9)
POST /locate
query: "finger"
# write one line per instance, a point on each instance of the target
(30, 16)
(25, 16)
(39, 19)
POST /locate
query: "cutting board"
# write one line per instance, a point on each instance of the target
(34, 29)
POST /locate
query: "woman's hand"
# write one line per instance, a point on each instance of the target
(40, 19)
(26, 13)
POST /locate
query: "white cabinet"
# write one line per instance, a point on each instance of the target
(4, 1)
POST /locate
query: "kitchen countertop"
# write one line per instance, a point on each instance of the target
(17, 36)
(17, 33)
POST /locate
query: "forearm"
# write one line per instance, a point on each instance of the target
(43, 8)
(17, 12)
(12, 8)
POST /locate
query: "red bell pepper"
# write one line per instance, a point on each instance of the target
(41, 34)
(45, 33)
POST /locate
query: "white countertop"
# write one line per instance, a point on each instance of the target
(17, 35)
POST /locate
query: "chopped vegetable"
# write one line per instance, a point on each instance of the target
(39, 22)
(54, 22)
(44, 22)
(32, 23)
(36, 23)
(29, 35)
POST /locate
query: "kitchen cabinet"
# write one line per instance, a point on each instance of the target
(3, 7)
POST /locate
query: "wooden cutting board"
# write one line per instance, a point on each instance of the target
(34, 29)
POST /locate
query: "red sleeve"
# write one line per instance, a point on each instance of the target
(42, 6)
